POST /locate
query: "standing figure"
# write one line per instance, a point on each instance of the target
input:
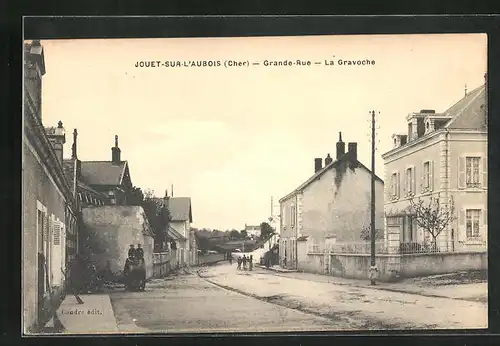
(239, 263)
(244, 262)
(131, 252)
(230, 258)
(251, 262)
(139, 253)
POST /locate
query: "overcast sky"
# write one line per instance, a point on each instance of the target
(230, 138)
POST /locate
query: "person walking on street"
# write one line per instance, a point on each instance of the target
(251, 262)
(230, 258)
(239, 263)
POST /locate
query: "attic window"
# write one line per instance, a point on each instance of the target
(395, 142)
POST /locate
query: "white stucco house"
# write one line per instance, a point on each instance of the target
(181, 218)
(333, 205)
(441, 154)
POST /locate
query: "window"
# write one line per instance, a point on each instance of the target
(395, 185)
(472, 223)
(410, 181)
(292, 214)
(427, 173)
(472, 171)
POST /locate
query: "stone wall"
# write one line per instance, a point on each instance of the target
(114, 228)
(394, 267)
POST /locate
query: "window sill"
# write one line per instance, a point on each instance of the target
(474, 241)
(473, 188)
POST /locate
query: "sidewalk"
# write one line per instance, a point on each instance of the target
(95, 315)
(426, 286)
(362, 307)
(278, 269)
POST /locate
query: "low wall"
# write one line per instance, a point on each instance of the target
(393, 267)
(204, 259)
(163, 263)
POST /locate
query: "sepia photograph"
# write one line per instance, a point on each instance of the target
(255, 184)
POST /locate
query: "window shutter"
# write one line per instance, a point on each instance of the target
(461, 225)
(413, 177)
(405, 183)
(422, 177)
(461, 172)
(45, 227)
(431, 175)
(57, 233)
(485, 216)
(484, 172)
(63, 247)
(398, 185)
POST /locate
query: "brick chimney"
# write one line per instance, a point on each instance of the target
(340, 147)
(115, 153)
(317, 164)
(57, 138)
(353, 150)
(328, 160)
(34, 69)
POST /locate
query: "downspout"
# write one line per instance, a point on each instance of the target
(296, 231)
(446, 190)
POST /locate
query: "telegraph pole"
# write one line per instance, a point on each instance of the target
(373, 267)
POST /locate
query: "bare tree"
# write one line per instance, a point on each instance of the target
(432, 217)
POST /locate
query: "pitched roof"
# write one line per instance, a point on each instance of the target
(469, 112)
(172, 233)
(180, 209)
(332, 164)
(102, 172)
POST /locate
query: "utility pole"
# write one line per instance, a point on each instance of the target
(373, 268)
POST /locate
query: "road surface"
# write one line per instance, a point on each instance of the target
(222, 299)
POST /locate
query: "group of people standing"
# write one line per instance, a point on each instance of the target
(134, 253)
(246, 262)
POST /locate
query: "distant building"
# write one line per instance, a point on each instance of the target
(100, 183)
(446, 154)
(252, 231)
(333, 205)
(50, 211)
(180, 230)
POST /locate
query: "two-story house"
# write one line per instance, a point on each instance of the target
(442, 154)
(333, 205)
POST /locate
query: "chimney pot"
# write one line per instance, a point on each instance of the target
(115, 152)
(317, 164)
(73, 147)
(353, 150)
(340, 147)
(328, 160)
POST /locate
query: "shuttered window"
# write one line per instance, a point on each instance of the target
(472, 217)
(57, 233)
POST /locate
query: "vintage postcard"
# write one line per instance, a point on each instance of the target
(255, 184)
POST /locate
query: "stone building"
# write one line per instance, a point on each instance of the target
(50, 211)
(332, 206)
